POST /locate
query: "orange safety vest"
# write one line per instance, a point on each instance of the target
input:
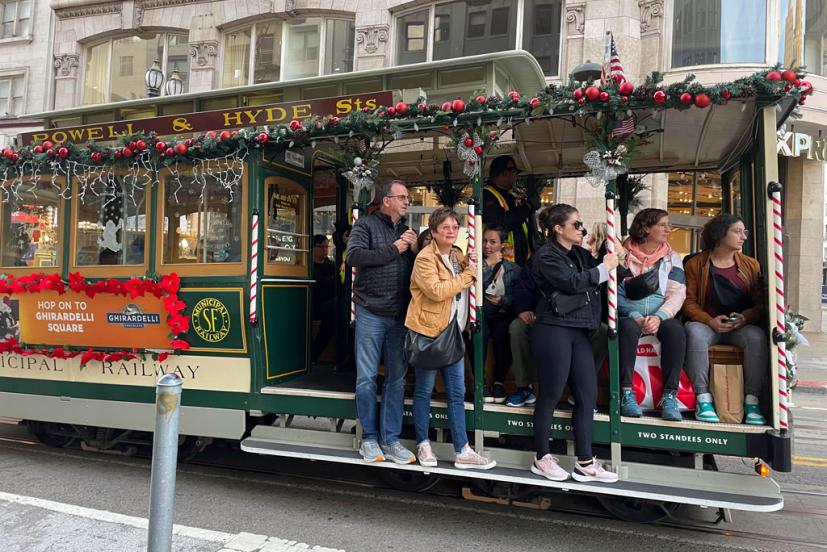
(508, 246)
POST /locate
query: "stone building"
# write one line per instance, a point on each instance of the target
(100, 51)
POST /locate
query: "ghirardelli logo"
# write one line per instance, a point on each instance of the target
(132, 316)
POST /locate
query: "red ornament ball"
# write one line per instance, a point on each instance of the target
(422, 107)
(118, 153)
(686, 98)
(624, 99)
(797, 82)
(534, 103)
(169, 152)
(127, 152)
(262, 138)
(702, 100)
(140, 145)
(96, 156)
(592, 93)
(63, 152)
(14, 157)
(47, 144)
(446, 106)
(402, 108)
(181, 149)
(773, 76)
(581, 101)
(391, 112)
(626, 88)
(478, 150)
(458, 106)
(659, 97)
(188, 142)
(604, 97)
(7, 153)
(160, 146)
(514, 95)
(468, 142)
(726, 94)
(225, 135)
(578, 93)
(38, 149)
(789, 75)
(481, 100)
(211, 134)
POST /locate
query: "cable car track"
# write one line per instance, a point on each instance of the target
(459, 505)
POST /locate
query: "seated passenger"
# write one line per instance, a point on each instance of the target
(724, 304)
(568, 278)
(522, 363)
(423, 240)
(650, 294)
(324, 295)
(439, 297)
(498, 277)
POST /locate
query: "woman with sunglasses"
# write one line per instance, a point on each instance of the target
(650, 294)
(568, 278)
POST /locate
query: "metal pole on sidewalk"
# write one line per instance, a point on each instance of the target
(164, 461)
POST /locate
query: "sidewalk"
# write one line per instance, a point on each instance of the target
(29, 524)
(812, 364)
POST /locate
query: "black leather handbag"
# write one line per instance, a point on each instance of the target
(643, 285)
(432, 353)
(727, 296)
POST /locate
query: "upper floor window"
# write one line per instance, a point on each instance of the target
(803, 35)
(115, 69)
(12, 95)
(273, 50)
(469, 27)
(17, 18)
(706, 32)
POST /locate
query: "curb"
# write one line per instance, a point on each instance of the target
(811, 388)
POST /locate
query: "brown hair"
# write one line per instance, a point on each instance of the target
(716, 230)
(555, 215)
(644, 220)
(438, 217)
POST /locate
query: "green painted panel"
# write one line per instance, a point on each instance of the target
(523, 424)
(684, 439)
(217, 321)
(285, 320)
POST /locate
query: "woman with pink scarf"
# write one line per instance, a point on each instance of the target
(650, 293)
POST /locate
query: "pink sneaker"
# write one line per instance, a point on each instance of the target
(593, 472)
(426, 455)
(548, 467)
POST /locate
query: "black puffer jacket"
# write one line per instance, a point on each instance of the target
(383, 276)
(567, 278)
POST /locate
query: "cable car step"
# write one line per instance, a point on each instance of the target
(645, 481)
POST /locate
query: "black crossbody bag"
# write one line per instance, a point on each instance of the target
(727, 296)
(643, 285)
(432, 353)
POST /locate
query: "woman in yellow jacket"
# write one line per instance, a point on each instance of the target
(439, 296)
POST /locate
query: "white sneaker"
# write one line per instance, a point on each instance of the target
(548, 467)
(593, 472)
(470, 460)
(425, 455)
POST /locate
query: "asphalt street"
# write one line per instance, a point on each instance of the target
(310, 505)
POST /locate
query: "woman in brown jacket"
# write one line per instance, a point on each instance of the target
(725, 304)
(439, 296)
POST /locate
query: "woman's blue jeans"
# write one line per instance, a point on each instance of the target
(454, 378)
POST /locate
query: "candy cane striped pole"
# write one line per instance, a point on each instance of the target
(780, 302)
(472, 247)
(611, 247)
(354, 218)
(254, 269)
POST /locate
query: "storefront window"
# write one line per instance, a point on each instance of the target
(803, 36)
(115, 69)
(30, 226)
(474, 27)
(305, 55)
(693, 199)
(287, 238)
(202, 221)
(707, 32)
(111, 224)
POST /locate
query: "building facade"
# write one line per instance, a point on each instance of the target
(100, 50)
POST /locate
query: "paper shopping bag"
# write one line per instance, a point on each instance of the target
(726, 382)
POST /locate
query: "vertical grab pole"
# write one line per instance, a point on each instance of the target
(774, 190)
(614, 370)
(164, 463)
(474, 291)
(254, 269)
(477, 333)
(354, 218)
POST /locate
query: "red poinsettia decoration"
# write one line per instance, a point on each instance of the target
(166, 289)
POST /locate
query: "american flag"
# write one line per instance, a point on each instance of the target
(626, 126)
(612, 68)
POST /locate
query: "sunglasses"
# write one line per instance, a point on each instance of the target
(578, 225)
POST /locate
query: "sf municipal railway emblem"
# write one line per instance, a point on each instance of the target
(210, 320)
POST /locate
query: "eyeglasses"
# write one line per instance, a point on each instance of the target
(577, 224)
(403, 198)
(664, 226)
(741, 232)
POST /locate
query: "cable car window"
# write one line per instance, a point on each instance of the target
(287, 237)
(30, 225)
(111, 221)
(202, 220)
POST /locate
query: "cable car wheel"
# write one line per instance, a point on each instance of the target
(408, 481)
(52, 434)
(637, 510)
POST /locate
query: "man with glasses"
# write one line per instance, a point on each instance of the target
(501, 208)
(324, 295)
(380, 249)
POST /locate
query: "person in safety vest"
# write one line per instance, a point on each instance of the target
(501, 208)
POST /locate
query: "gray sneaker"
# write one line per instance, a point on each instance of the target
(371, 452)
(398, 453)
